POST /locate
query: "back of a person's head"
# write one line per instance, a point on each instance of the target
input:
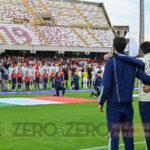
(119, 44)
(145, 47)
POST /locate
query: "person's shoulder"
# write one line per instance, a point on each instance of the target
(110, 61)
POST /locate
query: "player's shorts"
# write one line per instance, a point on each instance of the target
(27, 83)
(65, 77)
(37, 80)
(45, 80)
(13, 80)
(20, 80)
(6, 77)
(85, 79)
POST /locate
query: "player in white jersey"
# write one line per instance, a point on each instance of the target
(51, 68)
(57, 68)
(144, 103)
(24, 70)
(31, 71)
(10, 70)
(46, 67)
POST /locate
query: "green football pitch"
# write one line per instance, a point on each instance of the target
(57, 127)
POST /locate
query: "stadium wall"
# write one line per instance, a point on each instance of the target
(33, 49)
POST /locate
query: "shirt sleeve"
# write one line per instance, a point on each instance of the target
(106, 82)
(130, 60)
(140, 74)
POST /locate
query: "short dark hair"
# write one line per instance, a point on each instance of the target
(99, 71)
(145, 47)
(120, 44)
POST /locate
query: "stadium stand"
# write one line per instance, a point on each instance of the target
(55, 24)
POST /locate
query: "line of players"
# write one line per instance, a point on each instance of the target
(38, 76)
(35, 77)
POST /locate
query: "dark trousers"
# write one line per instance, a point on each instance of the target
(27, 85)
(60, 88)
(145, 116)
(98, 89)
(76, 86)
(120, 117)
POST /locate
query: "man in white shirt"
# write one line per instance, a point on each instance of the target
(31, 71)
(10, 70)
(144, 103)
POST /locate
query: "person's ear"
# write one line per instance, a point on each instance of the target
(114, 49)
(141, 53)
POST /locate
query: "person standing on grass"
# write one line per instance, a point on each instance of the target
(37, 79)
(73, 70)
(45, 79)
(40, 67)
(20, 79)
(10, 70)
(31, 71)
(76, 81)
(14, 80)
(1, 71)
(27, 81)
(85, 78)
(144, 94)
(117, 90)
(93, 76)
(66, 77)
(53, 78)
(144, 103)
(89, 69)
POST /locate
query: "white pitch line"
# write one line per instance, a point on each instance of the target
(105, 147)
(135, 95)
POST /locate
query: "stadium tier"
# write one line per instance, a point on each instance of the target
(55, 23)
(56, 36)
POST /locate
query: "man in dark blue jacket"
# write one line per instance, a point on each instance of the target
(58, 85)
(97, 84)
(76, 81)
(117, 90)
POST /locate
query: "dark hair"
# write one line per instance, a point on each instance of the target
(120, 44)
(56, 75)
(99, 71)
(145, 47)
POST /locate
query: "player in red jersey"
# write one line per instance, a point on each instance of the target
(53, 78)
(45, 79)
(27, 81)
(37, 79)
(19, 78)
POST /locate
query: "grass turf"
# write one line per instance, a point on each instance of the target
(59, 115)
